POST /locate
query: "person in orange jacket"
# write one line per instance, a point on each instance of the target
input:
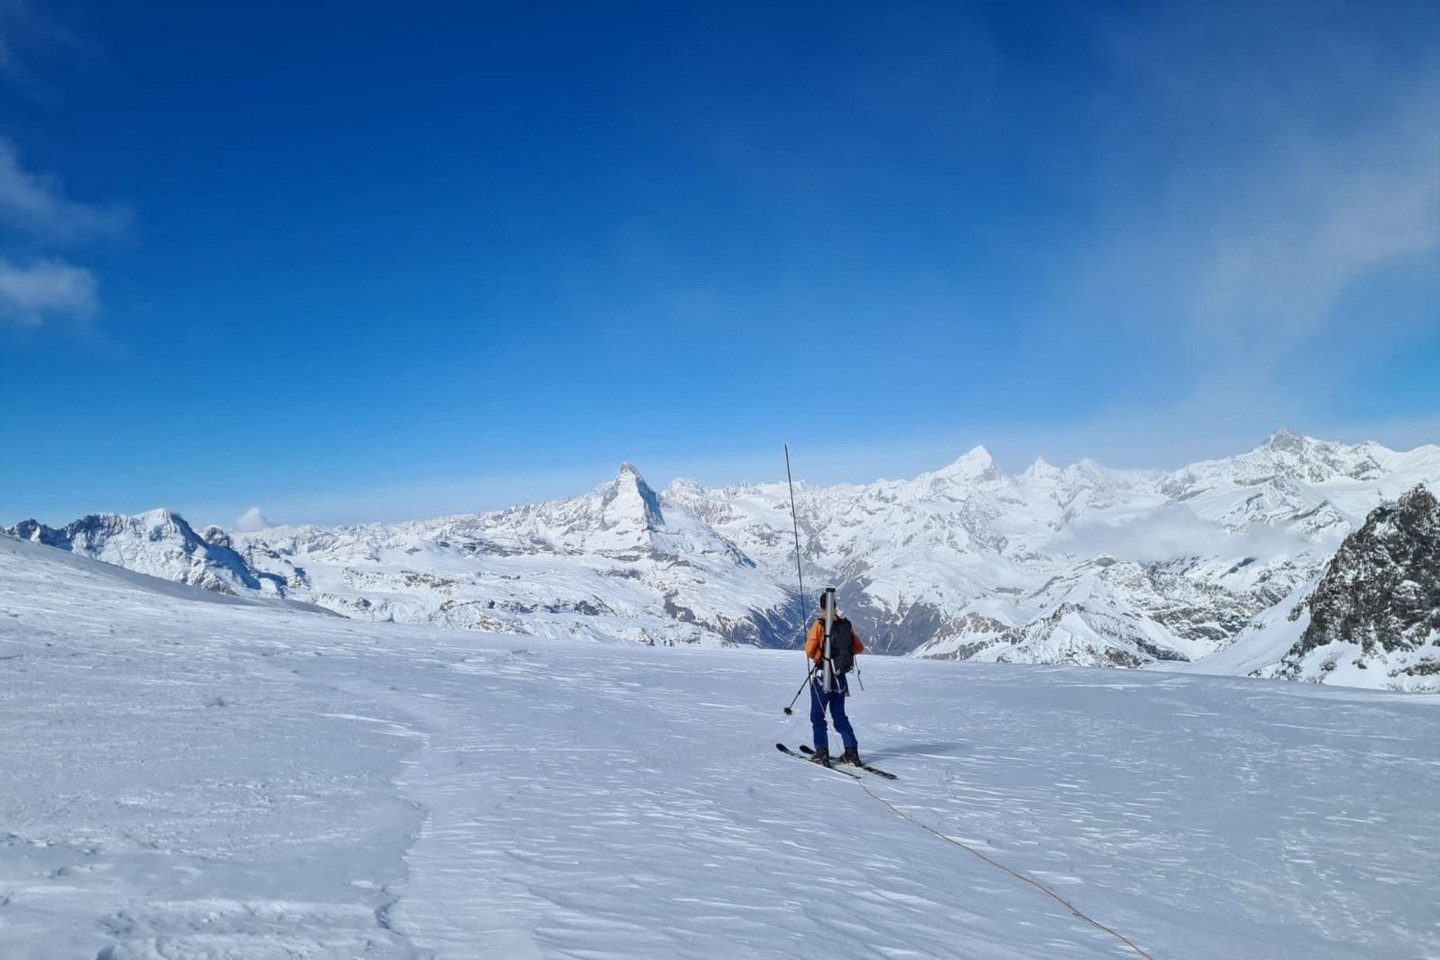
(832, 701)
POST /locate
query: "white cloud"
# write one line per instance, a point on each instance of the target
(1170, 533)
(33, 42)
(46, 289)
(1266, 194)
(1257, 176)
(251, 520)
(36, 205)
(1314, 221)
(49, 288)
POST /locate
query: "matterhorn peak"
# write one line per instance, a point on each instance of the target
(630, 478)
(630, 494)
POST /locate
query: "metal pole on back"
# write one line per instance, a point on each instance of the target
(830, 684)
(795, 521)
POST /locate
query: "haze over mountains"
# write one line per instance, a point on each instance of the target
(1209, 566)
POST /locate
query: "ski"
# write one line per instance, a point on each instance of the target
(831, 767)
(859, 766)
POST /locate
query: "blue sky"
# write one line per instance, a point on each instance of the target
(378, 261)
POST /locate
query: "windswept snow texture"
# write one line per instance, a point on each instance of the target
(190, 775)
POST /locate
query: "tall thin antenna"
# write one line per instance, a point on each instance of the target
(795, 519)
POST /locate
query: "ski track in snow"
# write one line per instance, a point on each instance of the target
(188, 778)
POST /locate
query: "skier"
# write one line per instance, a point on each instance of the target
(833, 699)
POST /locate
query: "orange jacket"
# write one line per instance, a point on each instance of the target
(815, 643)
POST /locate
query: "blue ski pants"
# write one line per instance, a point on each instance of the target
(833, 703)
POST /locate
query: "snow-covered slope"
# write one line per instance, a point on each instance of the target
(1081, 564)
(191, 775)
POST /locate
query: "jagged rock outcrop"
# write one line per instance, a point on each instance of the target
(1377, 607)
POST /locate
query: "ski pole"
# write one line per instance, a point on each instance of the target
(789, 710)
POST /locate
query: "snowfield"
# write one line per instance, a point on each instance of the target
(190, 775)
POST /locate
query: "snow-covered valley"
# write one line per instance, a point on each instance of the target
(195, 775)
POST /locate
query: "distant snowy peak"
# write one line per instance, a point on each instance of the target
(98, 531)
(1041, 471)
(159, 543)
(1286, 460)
(976, 466)
(624, 517)
(1330, 486)
(1317, 460)
(617, 516)
(1083, 485)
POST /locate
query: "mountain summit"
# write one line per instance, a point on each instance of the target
(630, 503)
(1315, 461)
(975, 466)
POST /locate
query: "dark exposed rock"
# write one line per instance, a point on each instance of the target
(1381, 590)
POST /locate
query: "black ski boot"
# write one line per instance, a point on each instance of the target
(851, 756)
(821, 756)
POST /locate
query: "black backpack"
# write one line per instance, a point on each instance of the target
(842, 646)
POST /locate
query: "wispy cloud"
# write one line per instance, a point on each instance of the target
(30, 40)
(32, 293)
(1261, 161)
(1269, 263)
(36, 205)
(1173, 532)
(1262, 170)
(36, 214)
(15, 16)
(251, 520)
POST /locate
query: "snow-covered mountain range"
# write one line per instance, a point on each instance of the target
(1081, 564)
